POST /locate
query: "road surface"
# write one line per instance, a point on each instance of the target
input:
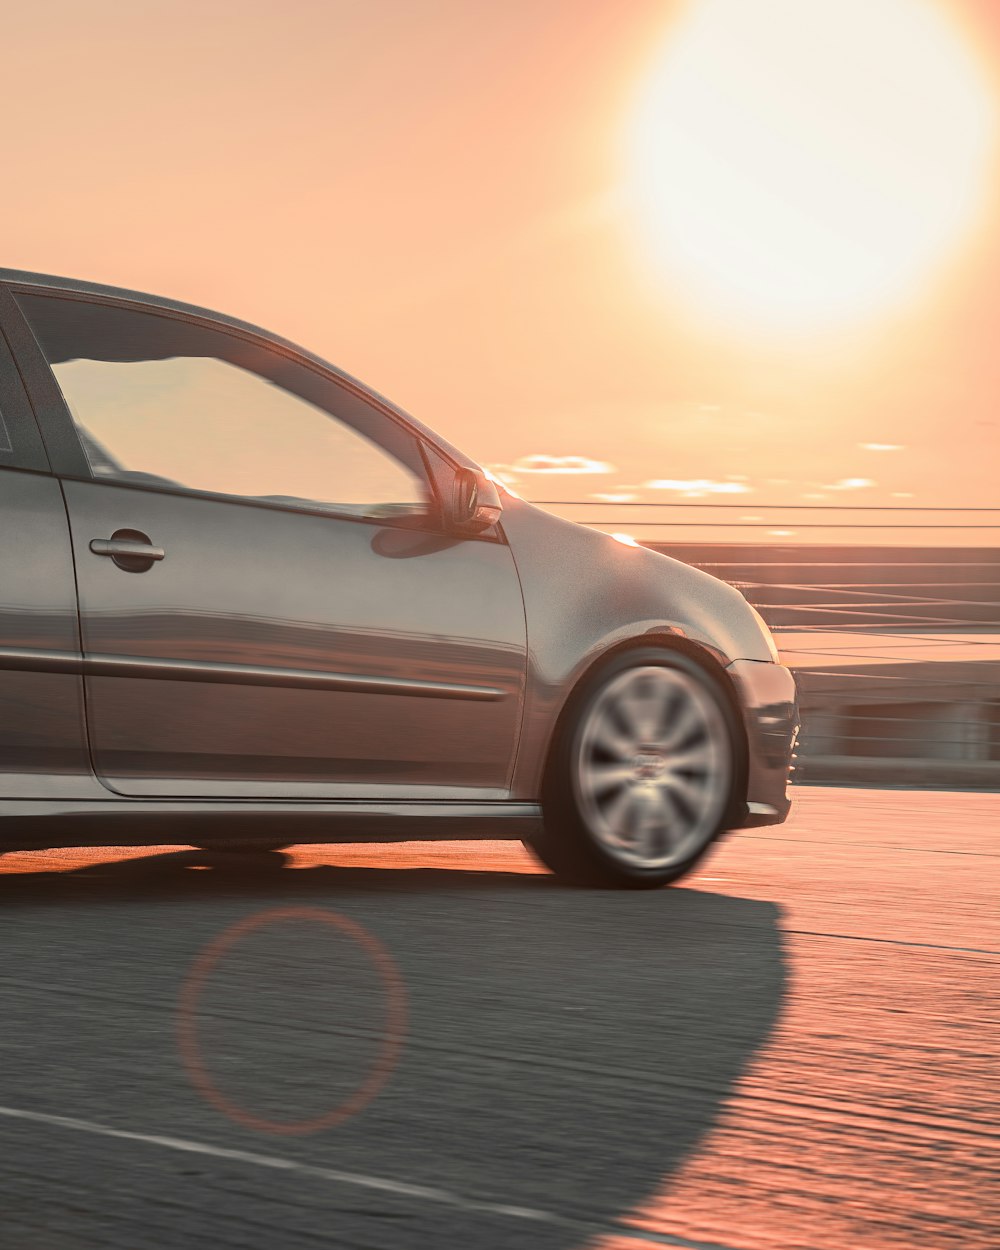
(436, 1046)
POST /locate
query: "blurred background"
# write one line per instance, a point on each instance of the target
(719, 277)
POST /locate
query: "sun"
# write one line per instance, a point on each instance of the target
(797, 163)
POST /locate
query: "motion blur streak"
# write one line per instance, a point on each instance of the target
(894, 640)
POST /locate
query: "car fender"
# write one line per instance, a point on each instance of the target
(586, 595)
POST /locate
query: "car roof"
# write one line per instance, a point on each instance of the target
(78, 286)
(51, 282)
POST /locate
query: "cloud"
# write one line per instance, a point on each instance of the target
(851, 483)
(694, 487)
(559, 464)
(881, 446)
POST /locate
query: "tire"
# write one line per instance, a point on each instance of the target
(642, 774)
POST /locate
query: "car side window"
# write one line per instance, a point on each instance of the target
(165, 402)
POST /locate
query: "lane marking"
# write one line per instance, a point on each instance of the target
(858, 937)
(360, 1180)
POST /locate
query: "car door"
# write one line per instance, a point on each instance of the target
(43, 745)
(269, 603)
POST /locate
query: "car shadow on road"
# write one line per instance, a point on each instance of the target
(567, 1050)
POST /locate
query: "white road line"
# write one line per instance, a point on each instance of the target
(423, 1193)
(882, 941)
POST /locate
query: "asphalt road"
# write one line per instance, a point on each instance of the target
(434, 1045)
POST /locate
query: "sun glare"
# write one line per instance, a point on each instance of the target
(801, 164)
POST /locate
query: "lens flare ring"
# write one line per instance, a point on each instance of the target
(383, 1065)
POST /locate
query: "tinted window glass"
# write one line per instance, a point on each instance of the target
(160, 401)
(20, 441)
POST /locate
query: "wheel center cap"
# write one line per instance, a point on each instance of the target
(646, 766)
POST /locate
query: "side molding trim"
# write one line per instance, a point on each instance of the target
(42, 661)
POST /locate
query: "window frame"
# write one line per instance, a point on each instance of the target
(17, 418)
(65, 448)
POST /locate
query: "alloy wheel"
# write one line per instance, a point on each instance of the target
(653, 766)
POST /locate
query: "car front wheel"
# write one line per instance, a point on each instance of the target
(641, 777)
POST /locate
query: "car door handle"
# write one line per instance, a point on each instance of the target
(125, 547)
(131, 550)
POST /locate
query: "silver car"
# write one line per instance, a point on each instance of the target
(245, 600)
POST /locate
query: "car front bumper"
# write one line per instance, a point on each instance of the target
(771, 719)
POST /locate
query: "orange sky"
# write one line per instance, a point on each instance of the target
(427, 193)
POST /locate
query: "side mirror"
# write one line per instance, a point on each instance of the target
(475, 502)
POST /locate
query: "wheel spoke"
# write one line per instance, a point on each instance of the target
(639, 713)
(615, 812)
(687, 794)
(695, 760)
(612, 741)
(642, 843)
(681, 727)
(658, 839)
(653, 837)
(676, 818)
(604, 777)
